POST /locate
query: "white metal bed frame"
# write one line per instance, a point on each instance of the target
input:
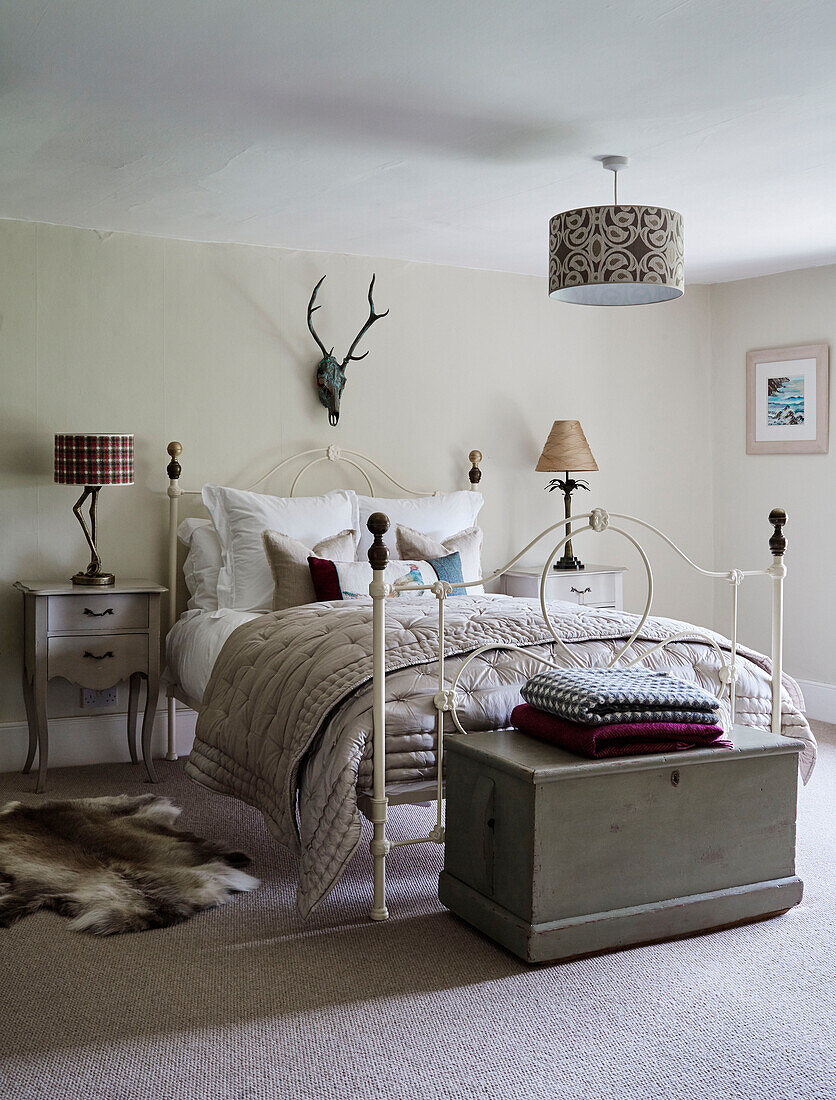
(445, 700)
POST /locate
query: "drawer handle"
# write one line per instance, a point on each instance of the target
(97, 656)
(98, 614)
(580, 591)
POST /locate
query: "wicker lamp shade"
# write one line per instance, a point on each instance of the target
(566, 449)
(94, 459)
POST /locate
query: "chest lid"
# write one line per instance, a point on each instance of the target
(540, 762)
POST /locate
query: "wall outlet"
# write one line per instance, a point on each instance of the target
(99, 699)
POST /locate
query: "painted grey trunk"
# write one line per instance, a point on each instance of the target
(556, 856)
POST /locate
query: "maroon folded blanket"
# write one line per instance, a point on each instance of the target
(628, 739)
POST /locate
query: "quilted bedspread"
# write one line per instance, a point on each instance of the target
(287, 717)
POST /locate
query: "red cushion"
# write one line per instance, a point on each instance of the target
(326, 580)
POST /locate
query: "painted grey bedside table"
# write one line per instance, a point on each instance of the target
(95, 638)
(593, 586)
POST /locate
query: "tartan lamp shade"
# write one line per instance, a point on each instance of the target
(94, 459)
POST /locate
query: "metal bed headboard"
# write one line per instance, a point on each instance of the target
(313, 457)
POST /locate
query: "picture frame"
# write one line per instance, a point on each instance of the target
(787, 400)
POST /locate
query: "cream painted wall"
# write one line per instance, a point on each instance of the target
(775, 311)
(208, 344)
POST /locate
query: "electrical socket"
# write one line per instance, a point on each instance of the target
(99, 699)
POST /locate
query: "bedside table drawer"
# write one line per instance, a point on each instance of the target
(589, 590)
(97, 663)
(98, 613)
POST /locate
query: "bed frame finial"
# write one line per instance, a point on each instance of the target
(378, 524)
(778, 540)
(474, 473)
(174, 469)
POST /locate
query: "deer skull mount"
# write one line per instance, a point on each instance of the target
(330, 375)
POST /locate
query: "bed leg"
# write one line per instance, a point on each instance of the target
(378, 557)
(379, 848)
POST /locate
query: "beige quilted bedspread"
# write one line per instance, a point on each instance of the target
(286, 721)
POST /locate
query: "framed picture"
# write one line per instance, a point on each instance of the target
(787, 400)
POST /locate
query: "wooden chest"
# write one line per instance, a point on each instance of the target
(556, 856)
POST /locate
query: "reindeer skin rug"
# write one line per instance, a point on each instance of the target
(111, 864)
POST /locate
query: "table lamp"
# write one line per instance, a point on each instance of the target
(566, 449)
(93, 461)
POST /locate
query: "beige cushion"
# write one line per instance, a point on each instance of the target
(288, 560)
(468, 543)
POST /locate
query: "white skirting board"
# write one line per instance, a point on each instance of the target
(97, 739)
(820, 700)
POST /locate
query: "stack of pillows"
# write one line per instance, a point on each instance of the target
(604, 712)
(259, 552)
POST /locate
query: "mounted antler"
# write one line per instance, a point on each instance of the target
(330, 375)
(311, 310)
(372, 318)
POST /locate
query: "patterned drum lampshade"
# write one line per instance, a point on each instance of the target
(93, 461)
(616, 255)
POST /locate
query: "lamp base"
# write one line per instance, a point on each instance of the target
(568, 563)
(94, 580)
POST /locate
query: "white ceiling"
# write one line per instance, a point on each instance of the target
(440, 130)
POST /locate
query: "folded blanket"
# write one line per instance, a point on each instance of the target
(620, 739)
(594, 696)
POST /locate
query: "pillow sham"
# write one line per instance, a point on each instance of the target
(202, 564)
(349, 580)
(439, 516)
(288, 561)
(245, 582)
(468, 544)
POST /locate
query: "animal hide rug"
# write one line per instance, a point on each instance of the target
(111, 864)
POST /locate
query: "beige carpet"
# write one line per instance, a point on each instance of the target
(245, 1001)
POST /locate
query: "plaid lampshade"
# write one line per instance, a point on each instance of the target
(94, 459)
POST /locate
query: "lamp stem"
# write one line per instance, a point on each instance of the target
(568, 560)
(568, 553)
(93, 575)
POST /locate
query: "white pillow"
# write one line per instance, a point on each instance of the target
(203, 563)
(245, 582)
(439, 517)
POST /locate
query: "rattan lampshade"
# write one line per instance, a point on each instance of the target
(566, 449)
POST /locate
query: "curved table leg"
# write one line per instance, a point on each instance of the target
(148, 724)
(31, 721)
(133, 707)
(39, 705)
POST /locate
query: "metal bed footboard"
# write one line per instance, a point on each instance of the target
(445, 700)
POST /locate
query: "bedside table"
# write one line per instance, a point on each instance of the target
(95, 638)
(594, 586)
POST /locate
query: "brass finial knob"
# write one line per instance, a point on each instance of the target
(174, 448)
(475, 457)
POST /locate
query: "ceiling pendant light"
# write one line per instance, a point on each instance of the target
(616, 255)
